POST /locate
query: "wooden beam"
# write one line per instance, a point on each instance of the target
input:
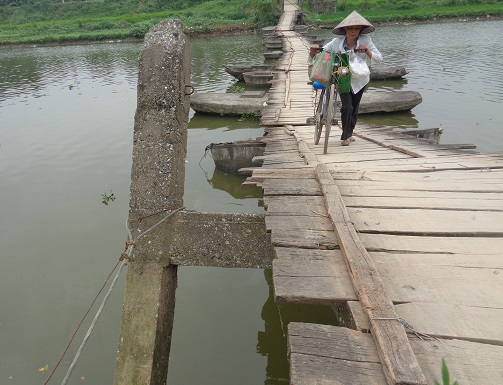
(397, 358)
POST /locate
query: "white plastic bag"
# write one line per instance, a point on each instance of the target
(358, 67)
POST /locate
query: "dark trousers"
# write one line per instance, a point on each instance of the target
(349, 112)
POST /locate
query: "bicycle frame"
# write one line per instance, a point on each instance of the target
(327, 102)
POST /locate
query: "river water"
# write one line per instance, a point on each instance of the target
(66, 125)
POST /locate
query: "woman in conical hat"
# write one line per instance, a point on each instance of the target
(352, 37)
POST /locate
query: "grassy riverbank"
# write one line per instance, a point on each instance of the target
(51, 21)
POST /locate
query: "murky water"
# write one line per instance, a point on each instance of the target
(66, 124)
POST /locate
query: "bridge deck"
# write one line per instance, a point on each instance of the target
(392, 227)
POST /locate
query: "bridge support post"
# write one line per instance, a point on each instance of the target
(157, 180)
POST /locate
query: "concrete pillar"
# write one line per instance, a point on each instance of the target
(157, 180)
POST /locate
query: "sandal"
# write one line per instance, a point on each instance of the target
(345, 142)
(351, 139)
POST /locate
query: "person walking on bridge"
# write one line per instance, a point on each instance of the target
(352, 37)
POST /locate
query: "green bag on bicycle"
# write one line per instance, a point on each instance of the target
(342, 60)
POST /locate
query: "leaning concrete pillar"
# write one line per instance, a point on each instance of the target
(157, 180)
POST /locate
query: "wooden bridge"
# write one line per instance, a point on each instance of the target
(406, 234)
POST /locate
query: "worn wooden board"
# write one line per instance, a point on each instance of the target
(302, 222)
(296, 205)
(323, 354)
(428, 222)
(291, 187)
(471, 176)
(399, 363)
(329, 355)
(304, 238)
(475, 202)
(471, 323)
(353, 187)
(468, 362)
(432, 244)
(474, 162)
(311, 277)
(405, 282)
(474, 260)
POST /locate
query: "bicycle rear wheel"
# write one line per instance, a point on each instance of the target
(331, 105)
(318, 116)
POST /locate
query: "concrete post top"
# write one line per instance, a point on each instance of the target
(169, 31)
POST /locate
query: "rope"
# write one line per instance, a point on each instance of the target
(80, 324)
(91, 328)
(122, 261)
(407, 326)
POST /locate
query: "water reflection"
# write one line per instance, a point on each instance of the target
(232, 184)
(398, 119)
(272, 342)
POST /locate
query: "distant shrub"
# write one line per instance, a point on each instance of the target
(141, 28)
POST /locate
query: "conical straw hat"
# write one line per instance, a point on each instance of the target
(354, 18)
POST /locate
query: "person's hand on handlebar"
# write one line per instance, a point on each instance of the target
(314, 49)
(363, 49)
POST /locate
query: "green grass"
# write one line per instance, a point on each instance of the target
(53, 21)
(377, 15)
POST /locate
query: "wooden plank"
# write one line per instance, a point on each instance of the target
(291, 187)
(304, 238)
(300, 173)
(460, 357)
(296, 205)
(428, 222)
(469, 286)
(447, 320)
(445, 245)
(324, 354)
(302, 222)
(476, 260)
(356, 187)
(419, 202)
(311, 277)
(444, 176)
(329, 355)
(398, 360)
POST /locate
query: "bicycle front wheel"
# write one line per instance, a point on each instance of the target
(318, 117)
(331, 105)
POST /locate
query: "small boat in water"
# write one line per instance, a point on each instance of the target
(232, 156)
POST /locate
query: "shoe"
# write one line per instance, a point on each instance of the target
(351, 139)
(345, 142)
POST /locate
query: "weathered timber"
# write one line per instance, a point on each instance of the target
(311, 277)
(427, 317)
(328, 355)
(432, 244)
(399, 363)
(323, 354)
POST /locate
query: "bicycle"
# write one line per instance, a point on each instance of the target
(327, 102)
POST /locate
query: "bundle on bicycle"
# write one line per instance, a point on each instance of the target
(342, 67)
